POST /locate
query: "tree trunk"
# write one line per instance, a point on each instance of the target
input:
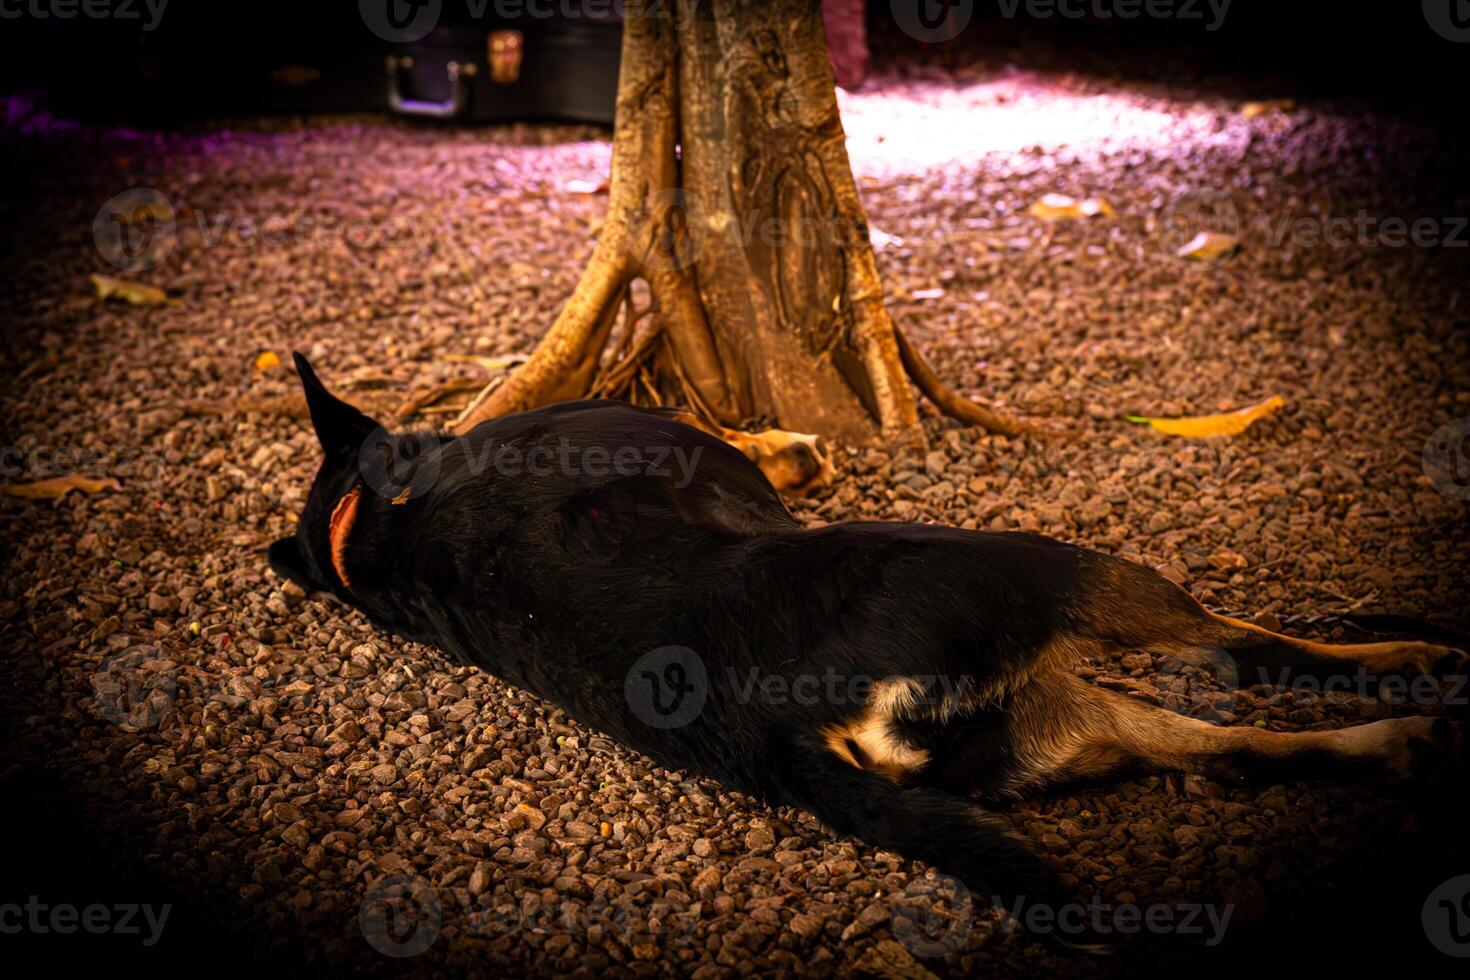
(732, 197)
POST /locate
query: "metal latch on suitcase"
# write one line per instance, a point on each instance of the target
(460, 74)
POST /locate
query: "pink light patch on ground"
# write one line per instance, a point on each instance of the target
(896, 126)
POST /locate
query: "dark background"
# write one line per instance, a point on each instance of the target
(213, 58)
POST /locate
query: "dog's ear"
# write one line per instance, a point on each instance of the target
(339, 426)
(288, 562)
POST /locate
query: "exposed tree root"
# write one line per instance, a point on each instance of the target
(430, 401)
(287, 406)
(953, 404)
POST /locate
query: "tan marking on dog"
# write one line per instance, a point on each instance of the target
(344, 516)
(869, 740)
(893, 697)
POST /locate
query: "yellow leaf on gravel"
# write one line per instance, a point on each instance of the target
(137, 293)
(1207, 246)
(880, 239)
(586, 187)
(1224, 424)
(267, 360)
(1054, 207)
(58, 487)
(1253, 109)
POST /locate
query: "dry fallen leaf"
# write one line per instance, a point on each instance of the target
(58, 487)
(1054, 207)
(586, 187)
(1207, 246)
(934, 293)
(267, 360)
(1224, 424)
(137, 293)
(880, 239)
(1253, 109)
(496, 363)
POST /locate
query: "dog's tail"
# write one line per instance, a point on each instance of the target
(950, 832)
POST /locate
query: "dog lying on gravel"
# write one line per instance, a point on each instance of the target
(644, 576)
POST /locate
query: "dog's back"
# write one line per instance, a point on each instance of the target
(523, 560)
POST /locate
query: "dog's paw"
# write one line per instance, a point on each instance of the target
(1423, 749)
(1416, 659)
(1452, 663)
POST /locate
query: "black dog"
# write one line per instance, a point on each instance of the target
(645, 577)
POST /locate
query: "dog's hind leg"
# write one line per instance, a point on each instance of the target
(952, 833)
(1130, 606)
(1060, 729)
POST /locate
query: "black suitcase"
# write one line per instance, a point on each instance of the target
(491, 69)
(545, 61)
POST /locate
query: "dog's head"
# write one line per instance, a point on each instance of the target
(311, 557)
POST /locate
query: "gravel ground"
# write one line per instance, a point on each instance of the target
(274, 759)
